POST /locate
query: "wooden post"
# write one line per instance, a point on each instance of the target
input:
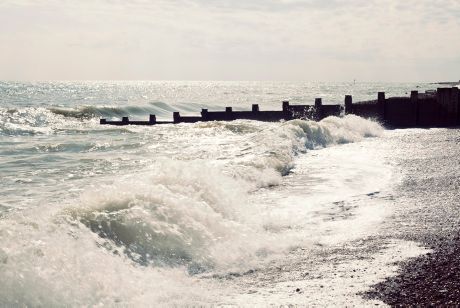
(285, 106)
(318, 109)
(204, 114)
(318, 102)
(152, 119)
(348, 104)
(454, 109)
(125, 120)
(414, 102)
(456, 99)
(102, 121)
(440, 101)
(255, 108)
(287, 113)
(176, 117)
(381, 105)
(228, 114)
(381, 97)
(447, 99)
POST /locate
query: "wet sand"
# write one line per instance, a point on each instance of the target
(430, 194)
(433, 279)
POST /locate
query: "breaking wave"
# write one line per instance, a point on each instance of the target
(143, 228)
(27, 121)
(274, 148)
(41, 120)
(158, 108)
(195, 213)
(88, 112)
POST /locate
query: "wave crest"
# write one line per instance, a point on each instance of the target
(195, 213)
(170, 217)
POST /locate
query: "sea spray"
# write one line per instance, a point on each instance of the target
(148, 224)
(275, 148)
(179, 212)
(51, 260)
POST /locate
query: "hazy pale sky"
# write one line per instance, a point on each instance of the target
(310, 40)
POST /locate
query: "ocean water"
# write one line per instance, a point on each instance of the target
(177, 214)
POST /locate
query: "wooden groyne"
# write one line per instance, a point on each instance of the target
(439, 108)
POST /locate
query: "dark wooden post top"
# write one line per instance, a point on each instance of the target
(204, 114)
(348, 104)
(413, 96)
(176, 117)
(285, 105)
(348, 99)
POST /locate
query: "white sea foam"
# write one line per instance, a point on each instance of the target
(128, 242)
(195, 211)
(274, 148)
(47, 260)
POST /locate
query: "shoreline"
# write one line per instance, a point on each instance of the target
(431, 279)
(410, 260)
(429, 216)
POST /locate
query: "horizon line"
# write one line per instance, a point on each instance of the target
(224, 80)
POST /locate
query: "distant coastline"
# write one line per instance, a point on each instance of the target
(451, 83)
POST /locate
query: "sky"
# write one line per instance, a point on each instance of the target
(298, 40)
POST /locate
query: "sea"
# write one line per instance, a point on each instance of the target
(240, 213)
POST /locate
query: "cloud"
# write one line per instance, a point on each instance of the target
(223, 39)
